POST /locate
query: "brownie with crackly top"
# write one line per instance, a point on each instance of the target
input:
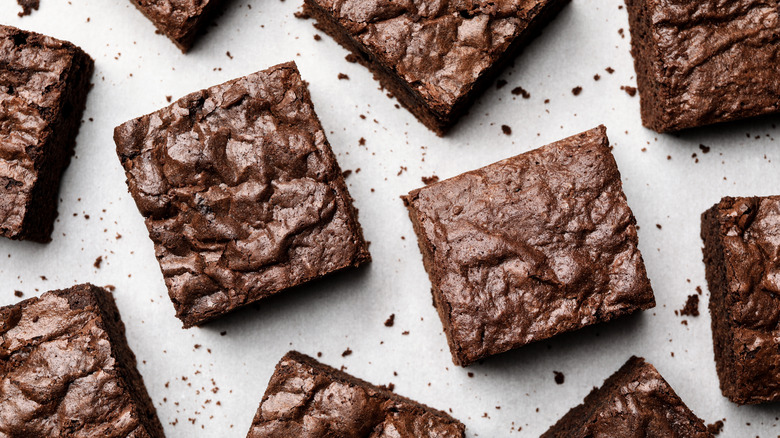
(529, 247)
(741, 246)
(436, 57)
(706, 61)
(66, 369)
(306, 398)
(241, 193)
(634, 400)
(180, 20)
(43, 89)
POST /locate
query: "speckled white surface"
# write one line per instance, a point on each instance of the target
(204, 384)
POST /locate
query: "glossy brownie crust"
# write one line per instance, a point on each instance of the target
(705, 61)
(741, 242)
(43, 89)
(241, 193)
(530, 247)
(179, 20)
(635, 401)
(308, 399)
(66, 370)
(434, 56)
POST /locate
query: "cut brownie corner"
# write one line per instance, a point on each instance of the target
(181, 22)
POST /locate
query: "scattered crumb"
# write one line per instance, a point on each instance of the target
(98, 262)
(609, 70)
(631, 91)
(346, 352)
(343, 77)
(390, 320)
(351, 58)
(698, 290)
(428, 180)
(222, 333)
(596, 77)
(317, 37)
(169, 98)
(362, 141)
(228, 54)
(576, 90)
(520, 91)
(715, 428)
(559, 377)
(659, 226)
(704, 149)
(346, 173)
(506, 129)
(302, 15)
(110, 287)
(401, 170)
(691, 307)
(28, 6)
(18, 293)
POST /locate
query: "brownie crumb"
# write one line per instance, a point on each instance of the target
(351, 58)
(110, 287)
(18, 293)
(343, 77)
(428, 180)
(390, 320)
(346, 173)
(659, 226)
(302, 15)
(631, 91)
(698, 290)
(169, 98)
(559, 377)
(576, 90)
(317, 37)
(500, 84)
(28, 6)
(506, 129)
(98, 262)
(609, 70)
(346, 352)
(228, 54)
(704, 149)
(470, 374)
(596, 77)
(715, 428)
(520, 91)
(362, 141)
(223, 333)
(691, 307)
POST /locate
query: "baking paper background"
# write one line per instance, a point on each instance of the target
(214, 389)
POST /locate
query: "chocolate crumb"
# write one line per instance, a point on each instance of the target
(390, 320)
(110, 287)
(428, 180)
(18, 293)
(631, 91)
(346, 173)
(715, 428)
(169, 98)
(500, 84)
(559, 377)
(698, 290)
(98, 262)
(596, 77)
(317, 37)
(28, 6)
(351, 58)
(609, 70)
(519, 91)
(506, 129)
(691, 307)
(470, 374)
(343, 77)
(302, 15)
(346, 352)
(659, 226)
(228, 54)
(576, 90)
(362, 141)
(223, 333)
(704, 149)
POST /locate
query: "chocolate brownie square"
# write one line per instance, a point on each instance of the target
(703, 62)
(308, 399)
(635, 399)
(741, 246)
(43, 90)
(436, 57)
(179, 20)
(66, 369)
(241, 192)
(530, 247)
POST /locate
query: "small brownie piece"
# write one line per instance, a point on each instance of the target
(435, 56)
(741, 246)
(43, 90)
(530, 247)
(179, 20)
(241, 192)
(308, 399)
(66, 369)
(703, 62)
(636, 398)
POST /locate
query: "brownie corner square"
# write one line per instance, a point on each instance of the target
(67, 349)
(241, 193)
(180, 21)
(43, 90)
(654, 408)
(701, 63)
(741, 239)
(530, 247)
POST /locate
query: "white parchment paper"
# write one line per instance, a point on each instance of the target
(208, 384)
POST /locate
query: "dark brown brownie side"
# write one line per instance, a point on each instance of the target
(97, 373)
(635, 398)
(43, 143)
(181, 21)
(306, 397)
(436, 116)
(646, 56)
(739, 237)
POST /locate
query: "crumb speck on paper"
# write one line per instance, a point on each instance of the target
(576, 90)
(390, 321)
(559, 377)
(428, 180)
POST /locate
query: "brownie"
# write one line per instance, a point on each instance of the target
(66, 369)
(241, 192)
(43, 90)
(635, 399)
(530, 247)
(703, 62)
(179, 20)
(308, 399)
(435, 56)
(741, 242)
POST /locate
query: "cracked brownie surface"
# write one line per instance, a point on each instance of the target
(706, 61)
(66, 370)
(742, 258)
(43, 88)
(179, 20)
(530, 247)
(308, 399)
(241, 193)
